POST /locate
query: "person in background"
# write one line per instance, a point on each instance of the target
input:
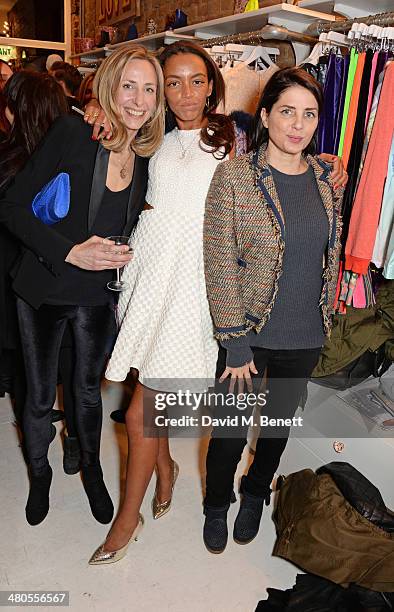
(4, 124)
(5, 73)
(65, 270)
(271, 251)
(32, 115)
(32, 102)
(70, 80)
(85, 91)
(51, 59)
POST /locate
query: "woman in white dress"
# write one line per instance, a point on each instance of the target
(166, 332)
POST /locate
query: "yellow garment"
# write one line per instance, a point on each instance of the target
(253, 5)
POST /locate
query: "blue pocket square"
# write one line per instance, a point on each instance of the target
(52, 203)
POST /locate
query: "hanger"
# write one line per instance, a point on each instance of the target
(337, 39)
(316, 52)
(261, 55)
(239, 52)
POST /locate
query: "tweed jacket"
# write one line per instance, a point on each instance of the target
(245, 239)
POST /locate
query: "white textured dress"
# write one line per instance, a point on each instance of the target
(166, 330)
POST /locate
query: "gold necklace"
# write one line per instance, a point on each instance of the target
(122, 171)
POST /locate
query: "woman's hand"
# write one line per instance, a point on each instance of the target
(240, 375)
(99, 254)
(339, 175)
(94, 115)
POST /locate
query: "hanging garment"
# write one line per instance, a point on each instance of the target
(311, 69)
(244, 87)
(353, 109)
(359, 295)
(366, 209)
(386, 221)
(371, 87)
(341, 104)
(323, 68)
(382, 60)
(332, 92)
(357, 134)
(371, 122)
(317, 69)
(321, 532)
(348, 95)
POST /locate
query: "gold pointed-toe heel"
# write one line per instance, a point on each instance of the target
(102, 556)
(160, 509)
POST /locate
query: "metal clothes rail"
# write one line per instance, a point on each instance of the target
(381, 19)
(256, 37)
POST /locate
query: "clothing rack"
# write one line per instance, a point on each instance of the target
(381, 19)
(256, 37)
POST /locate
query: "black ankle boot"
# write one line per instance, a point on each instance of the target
(215, 532)
(100, 502)
(37, 506)
(247, 523)
(71, 456)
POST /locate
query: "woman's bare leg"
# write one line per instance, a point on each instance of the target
(142, 457)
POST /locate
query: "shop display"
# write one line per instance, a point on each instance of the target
(152, 27)
(83, 44)
(132, 32)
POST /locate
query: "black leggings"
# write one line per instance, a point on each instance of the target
(287, 374)
(66, 372)
(93, 329)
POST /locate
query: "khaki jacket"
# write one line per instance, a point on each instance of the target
(245, 239)
(319, 531)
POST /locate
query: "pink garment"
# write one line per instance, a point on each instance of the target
(359, 297)
(371, 92)
(244, 87)
(366, 208)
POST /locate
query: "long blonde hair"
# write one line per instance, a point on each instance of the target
(105, 87)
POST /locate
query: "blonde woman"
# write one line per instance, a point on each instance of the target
(64, 272)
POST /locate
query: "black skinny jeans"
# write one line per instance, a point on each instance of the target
(93, 329)
(287, 374)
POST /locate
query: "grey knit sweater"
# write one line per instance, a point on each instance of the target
(295, 321)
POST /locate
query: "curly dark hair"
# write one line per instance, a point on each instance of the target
(219, 134)
(35, 101)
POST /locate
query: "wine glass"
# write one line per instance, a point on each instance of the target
(118, 285)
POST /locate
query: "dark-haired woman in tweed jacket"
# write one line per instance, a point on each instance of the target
(271, 250)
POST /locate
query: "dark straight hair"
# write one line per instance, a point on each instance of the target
(219, 133)
(35, 100)
(279, 83)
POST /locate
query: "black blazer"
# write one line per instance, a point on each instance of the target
(67, 147)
